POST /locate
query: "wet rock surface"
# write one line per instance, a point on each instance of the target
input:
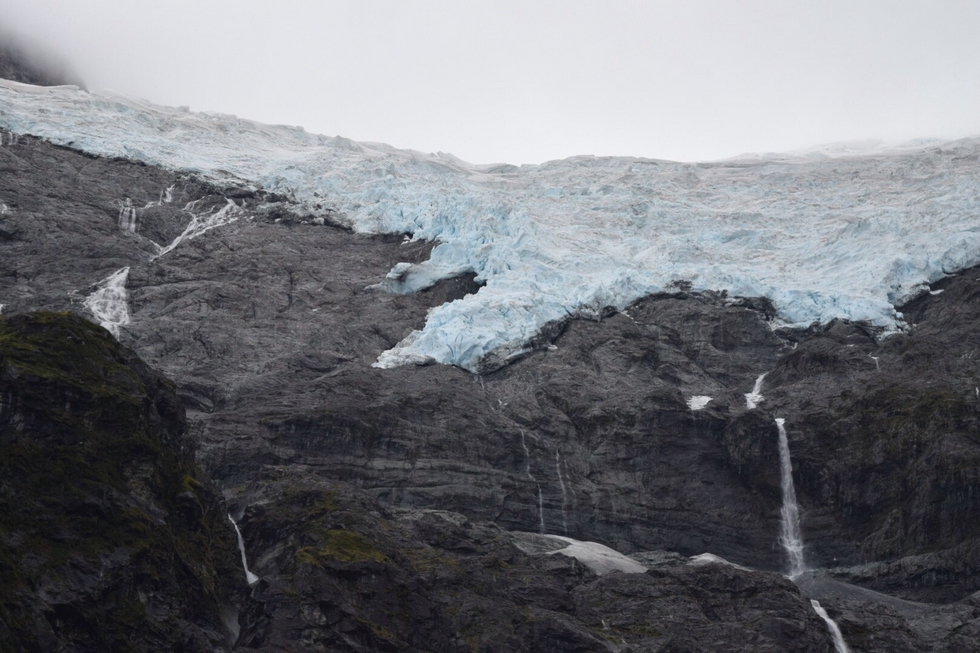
(269, 325)
(340, 572)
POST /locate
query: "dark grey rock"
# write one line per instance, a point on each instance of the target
(269, 328)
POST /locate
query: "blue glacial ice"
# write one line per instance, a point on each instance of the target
(823, 233)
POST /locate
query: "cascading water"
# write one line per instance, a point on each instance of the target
(789, 531)
(109, 302)
(527, 470)
(127, 216)
(201, 223)
(840, 646)
(789, 528)
(249, 576)
(561, 481)
(753, 398)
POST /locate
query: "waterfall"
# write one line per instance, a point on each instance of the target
(839, 644)
(201, 223)
(249, 576)
(564, 519)
(789, 531)
(108, 302)
(753, 398)
(527, 470)
(127, 216)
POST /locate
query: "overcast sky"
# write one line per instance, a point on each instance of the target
(529, 81)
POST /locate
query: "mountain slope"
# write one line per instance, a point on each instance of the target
(270, 315)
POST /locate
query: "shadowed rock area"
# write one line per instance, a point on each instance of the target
(110, 538)
(269, 325)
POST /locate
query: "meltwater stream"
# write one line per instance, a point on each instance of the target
(108, 302)
(753, 398)
(789, 523)
(840, 646)
(789, 527)
(249, 576)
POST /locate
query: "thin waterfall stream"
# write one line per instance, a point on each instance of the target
(839, 644)
(249, 576)
(789, 530)
(789, 523)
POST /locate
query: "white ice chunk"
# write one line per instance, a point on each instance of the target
(698, 402)
(598, 557)
(821, 237)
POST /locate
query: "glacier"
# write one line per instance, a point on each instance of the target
(822, 233)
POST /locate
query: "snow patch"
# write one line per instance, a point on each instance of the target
(698, 402)
(712, 559)
(821, 237)
(598, 557)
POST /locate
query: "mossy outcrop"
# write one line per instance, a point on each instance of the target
(110, 538)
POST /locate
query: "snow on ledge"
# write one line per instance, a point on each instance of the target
(821, 237)
(712, 559)
(598, 557)
(698, 402)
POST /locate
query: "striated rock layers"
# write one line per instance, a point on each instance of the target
(268, 325)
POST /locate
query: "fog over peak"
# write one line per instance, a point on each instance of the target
(27, 60)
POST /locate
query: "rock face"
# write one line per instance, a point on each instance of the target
(269, 324)
(341, 573)
(110, 539)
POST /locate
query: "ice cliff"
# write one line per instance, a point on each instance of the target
(821, 236)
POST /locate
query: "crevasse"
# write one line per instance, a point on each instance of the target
(822, 237)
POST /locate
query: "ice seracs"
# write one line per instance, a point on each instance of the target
(847, 237)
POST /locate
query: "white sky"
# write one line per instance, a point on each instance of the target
(528, 81)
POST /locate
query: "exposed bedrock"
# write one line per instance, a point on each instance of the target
(269, 328)
(339, 572)
(110, 537)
